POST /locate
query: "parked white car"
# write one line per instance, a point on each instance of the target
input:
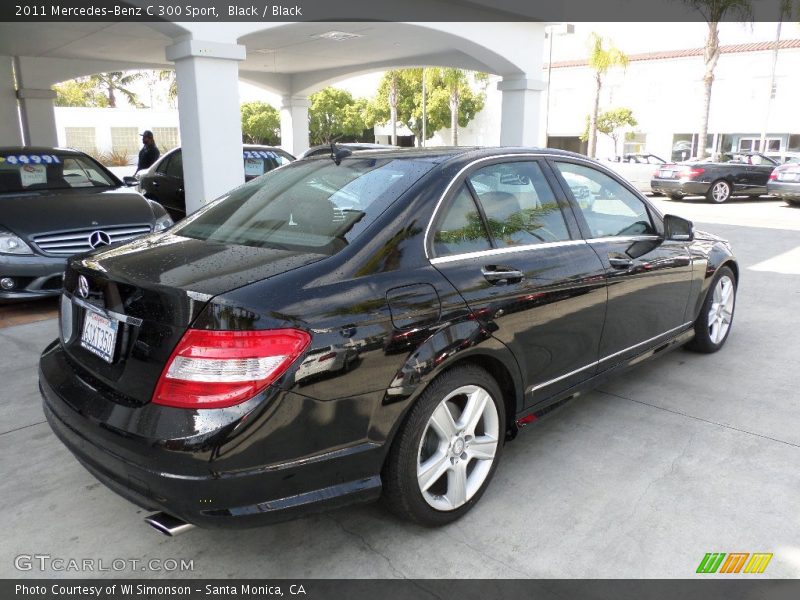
(637, 168)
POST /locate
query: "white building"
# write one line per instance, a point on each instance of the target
(664, 91)
(102, 131)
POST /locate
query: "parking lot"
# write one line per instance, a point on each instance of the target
(684, 455)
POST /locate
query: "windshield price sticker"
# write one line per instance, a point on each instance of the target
(33, 175)
(25, 159)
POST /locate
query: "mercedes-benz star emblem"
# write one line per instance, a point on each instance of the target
(99, 238)
(83, 287)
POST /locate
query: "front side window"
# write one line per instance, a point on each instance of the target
(519, 204)
(311, 206)
(175, 165)
(610, 209)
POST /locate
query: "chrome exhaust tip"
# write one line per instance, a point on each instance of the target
(167, 524)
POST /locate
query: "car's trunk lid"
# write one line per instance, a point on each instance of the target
(149, 292)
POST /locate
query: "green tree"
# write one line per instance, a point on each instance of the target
(78, 92)
(117, 82)
(714, 11)
(612, 122)
(442, 96)
(261, 123)
(334, 113)
(602, 57)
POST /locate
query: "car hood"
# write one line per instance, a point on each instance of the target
(31, 213)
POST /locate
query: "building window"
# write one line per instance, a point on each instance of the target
(166, 138)
(635, 143)
(125, 140)
(81, 138)
(752, 144)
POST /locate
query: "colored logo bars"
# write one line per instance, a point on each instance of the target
(716, 562)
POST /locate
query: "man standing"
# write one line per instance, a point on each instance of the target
(149, 152)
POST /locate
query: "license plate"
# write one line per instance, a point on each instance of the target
(666, 174)
(99, 335)
(788, 177)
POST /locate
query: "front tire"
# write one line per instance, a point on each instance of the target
(719, 191)
(713, 326)
(446, 452)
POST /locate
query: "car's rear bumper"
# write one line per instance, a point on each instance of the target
(34, 276)
(679, 187)
(784, 189)
(162, 474)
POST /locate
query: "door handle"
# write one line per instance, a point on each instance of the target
(620, 261)
(154, 184)
(494, 274)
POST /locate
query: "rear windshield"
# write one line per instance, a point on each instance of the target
(22, 172)
(312, 206)
(258, 162)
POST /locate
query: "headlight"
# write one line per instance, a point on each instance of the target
(12, 244)
(163, 223)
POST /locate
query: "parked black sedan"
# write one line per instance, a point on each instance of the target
(55, 203)
(467, 290)
(784, 182)
(740, 174)
(163, 181)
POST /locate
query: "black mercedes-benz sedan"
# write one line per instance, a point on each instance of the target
(736, 174)
(375, 325)
(55, 203)
(163, 181)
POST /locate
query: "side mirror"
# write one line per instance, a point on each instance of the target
(130, 181)
(678, 229)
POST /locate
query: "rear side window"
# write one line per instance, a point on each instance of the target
(610, 209)
(258, 162)
(461, 229)
(312, 206)
(519, 204)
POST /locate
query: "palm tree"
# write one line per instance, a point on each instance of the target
(601, 59)
(454, 80)
(116, 81)
(172, 91)
(714, 11)
(394, 76)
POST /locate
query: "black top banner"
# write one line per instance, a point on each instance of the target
(385, 10)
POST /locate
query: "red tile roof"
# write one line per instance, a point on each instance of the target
(689, 52)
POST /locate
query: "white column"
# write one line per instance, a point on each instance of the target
(294, 124)
(210, 121)
(10, 133)
(520, 117)
(38, 116)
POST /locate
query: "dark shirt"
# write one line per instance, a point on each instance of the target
(147, 156)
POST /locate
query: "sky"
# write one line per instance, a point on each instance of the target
(631, 38)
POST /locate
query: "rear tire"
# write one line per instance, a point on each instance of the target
(714, 324)
(448, 448)
(719, 191)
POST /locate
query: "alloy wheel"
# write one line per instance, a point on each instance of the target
(458, 447)
(720, 314)
(721, 191)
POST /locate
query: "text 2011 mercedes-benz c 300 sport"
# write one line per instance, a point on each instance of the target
(379, 323)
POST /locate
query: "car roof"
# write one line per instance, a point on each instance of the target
(462, 153)
(40, 150)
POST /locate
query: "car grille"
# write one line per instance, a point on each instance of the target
(67, 243)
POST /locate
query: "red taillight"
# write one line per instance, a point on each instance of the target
(773, 175)
(215, 369)
(691, 172)
(327, 356)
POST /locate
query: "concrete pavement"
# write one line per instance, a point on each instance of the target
(684, 455)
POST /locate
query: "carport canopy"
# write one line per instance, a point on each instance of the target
(289, 59)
